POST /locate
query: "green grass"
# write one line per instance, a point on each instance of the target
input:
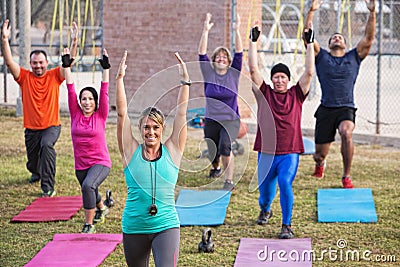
(374, 167)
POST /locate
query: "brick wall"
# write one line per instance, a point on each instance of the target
(152, 31)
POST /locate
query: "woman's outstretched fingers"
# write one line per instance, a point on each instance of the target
(122, 66)
(179, 58)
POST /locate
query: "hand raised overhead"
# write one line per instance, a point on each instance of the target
(122, 66)
(66, 58)
(104, 61)
(183, 70)
(309, 34)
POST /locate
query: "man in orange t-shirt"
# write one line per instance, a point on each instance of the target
(40, 97)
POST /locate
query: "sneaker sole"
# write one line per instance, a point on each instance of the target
(99, 221)
(348, 187)
(89, 232)
(286, 236)
(46, 195)
(260, 222)
(103, 218)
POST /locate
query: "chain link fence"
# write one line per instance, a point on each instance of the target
(50, 30)
(376, 93)
(51, 23)
(376, 89)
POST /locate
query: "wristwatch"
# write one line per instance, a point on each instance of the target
(189, 82)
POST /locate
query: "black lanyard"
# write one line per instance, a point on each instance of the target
(153, 207)
(153, 187)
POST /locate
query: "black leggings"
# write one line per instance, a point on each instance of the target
(164, 245)
(219, 137)
(90, 180)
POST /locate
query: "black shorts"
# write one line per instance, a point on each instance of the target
(328, 120)
(219, 137)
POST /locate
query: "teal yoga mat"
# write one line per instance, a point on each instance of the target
(205, 208)
(346, 205)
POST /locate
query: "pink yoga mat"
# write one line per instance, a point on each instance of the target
(68, 250)
(274, 252)
(50, 209)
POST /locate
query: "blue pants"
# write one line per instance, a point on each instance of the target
(281, 169)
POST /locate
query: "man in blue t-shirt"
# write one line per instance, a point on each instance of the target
(337, 71)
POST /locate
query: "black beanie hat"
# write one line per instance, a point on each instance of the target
(280, 68)
(94, 93)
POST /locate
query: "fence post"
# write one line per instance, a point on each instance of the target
(4, 4)
(25, 42)
(379, 68)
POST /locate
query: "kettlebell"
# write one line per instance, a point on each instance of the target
(109, 202)
(206, 245)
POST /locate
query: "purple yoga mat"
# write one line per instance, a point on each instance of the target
(50, 209)
(274, 252)
(76, 250)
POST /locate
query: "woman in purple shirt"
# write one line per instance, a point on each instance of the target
(222, 119)
(88, 123)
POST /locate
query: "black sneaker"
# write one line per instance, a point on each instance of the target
(264, 217)
(228, 185)
(100, 215)
(34, 179)
(215, 173)
(286, 232)
(88, 229)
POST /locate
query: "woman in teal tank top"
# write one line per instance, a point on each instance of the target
(150, 221)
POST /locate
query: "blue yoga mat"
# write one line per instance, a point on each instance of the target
(309, 146)
(202, 207)
(346, 205)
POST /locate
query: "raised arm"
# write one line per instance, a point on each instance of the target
(104, 99)
(74, 45)
(255, 73)
(73, 104)
(204, 36)
(105, 64)
(127, 144)
(315, 4)
(306, 77)
(365, 43)
(176, 142)
(67, 61)
(11, 64)
(239, 43)
(74, 41)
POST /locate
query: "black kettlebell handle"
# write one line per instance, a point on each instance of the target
(206, 234)
(109, 202)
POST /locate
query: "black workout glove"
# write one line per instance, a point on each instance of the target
(309, 36)
(105, 64)
(66, 60)
(254, 34)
